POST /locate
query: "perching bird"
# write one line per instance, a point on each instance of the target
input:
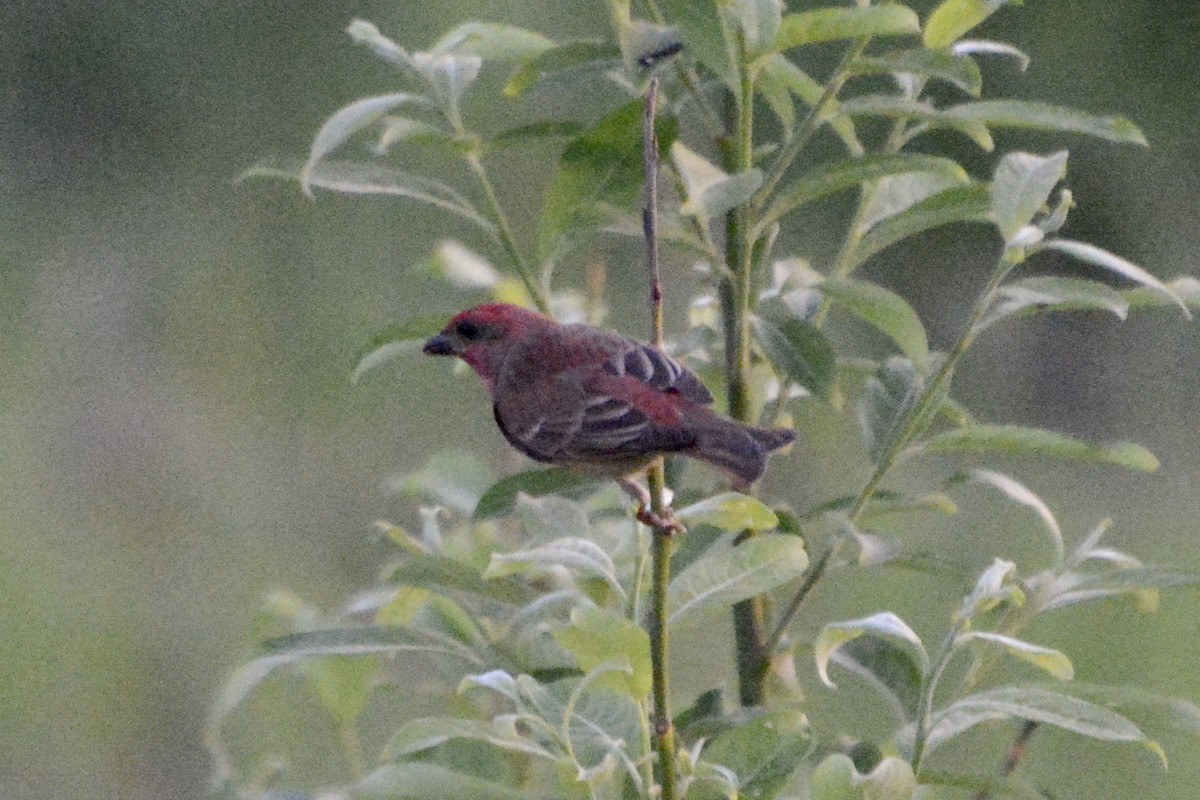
(594, 400)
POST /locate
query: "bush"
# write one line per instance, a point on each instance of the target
(535, 597)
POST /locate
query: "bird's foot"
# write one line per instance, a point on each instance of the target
(663, 523)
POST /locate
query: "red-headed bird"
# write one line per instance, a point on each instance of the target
(596, 401)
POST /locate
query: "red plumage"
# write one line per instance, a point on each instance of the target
(594, 400)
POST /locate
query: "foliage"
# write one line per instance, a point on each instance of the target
(531, 593)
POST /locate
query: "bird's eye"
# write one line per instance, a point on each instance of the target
(467, 329)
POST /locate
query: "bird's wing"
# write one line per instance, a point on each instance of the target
(658, 370)
(598, 416)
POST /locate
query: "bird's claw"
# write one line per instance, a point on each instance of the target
(664, 523)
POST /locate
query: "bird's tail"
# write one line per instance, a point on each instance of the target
(739, 451)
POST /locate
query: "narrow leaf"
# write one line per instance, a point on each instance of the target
(1050, 293)
(1114, 263)
(596, 636)
(578, 555)
(969, 47)
(570, 62)
(886, 402)
(501, 497)
(394, 340)
(779, 69)
(885, 625)
(726, 574)
(1019, 493)
(351, 177)
(367, 34)
(762, 752)
(416, 780)
(886, 311)
(889, 667)
(1038, 705)
(1020, 188)
(1045, 117)
(493, 42)
(799, 351)
(442, 573)
(953, 18)
(348, 121)
(709, 191)
(1044, 658)
(831, 24)
(952, 68)
(956, 204)
(418, 735)
(1185, 288)
(849, 173)
(731, 511)
(1017, 440)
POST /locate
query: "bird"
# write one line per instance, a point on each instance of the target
(598, 402)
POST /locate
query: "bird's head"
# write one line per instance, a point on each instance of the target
(481, 335)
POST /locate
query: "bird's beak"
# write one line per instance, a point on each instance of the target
(442, 345)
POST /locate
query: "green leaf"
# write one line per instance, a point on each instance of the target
(406, 129)
(891, 669)
(596, 636)
(455, 479)
(731, 512)
(906, 108)
(418, 735)
(501, 497)
(1019, 493)
(342, 684)
(701, 28)
(367, 640)
(709, 191)
(886, 311)
(831, 24)
(1021, 186)
(727, 574)
(415, 780)
(834, 779)
(953, 68)
(799, 351)
(1044, 658)
(1038, 705)
(1045, 117)
(573, 553)
(1016, 440)
(895, 193)
(846, 174)
(887, 400)
(993, 588)
(567, 62)
(602, 168)
(1049, 293)
(885, 625)
(442, 573)
(365, 33)
(759, 21)
(1114, 263)
(956, 204)
(492, 42)
(348, 121)
(953, 18)
(1072, 588)
(1185, 287)
(537, 131)
(763, 752)
(351, 177)
(780, 70)
(394, 340)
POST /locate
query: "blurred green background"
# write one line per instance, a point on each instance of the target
(178, 434)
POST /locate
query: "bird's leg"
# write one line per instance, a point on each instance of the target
(664, 523)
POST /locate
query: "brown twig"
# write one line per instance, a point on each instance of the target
(660, 514)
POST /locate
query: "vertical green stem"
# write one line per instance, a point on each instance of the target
(736, 296)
